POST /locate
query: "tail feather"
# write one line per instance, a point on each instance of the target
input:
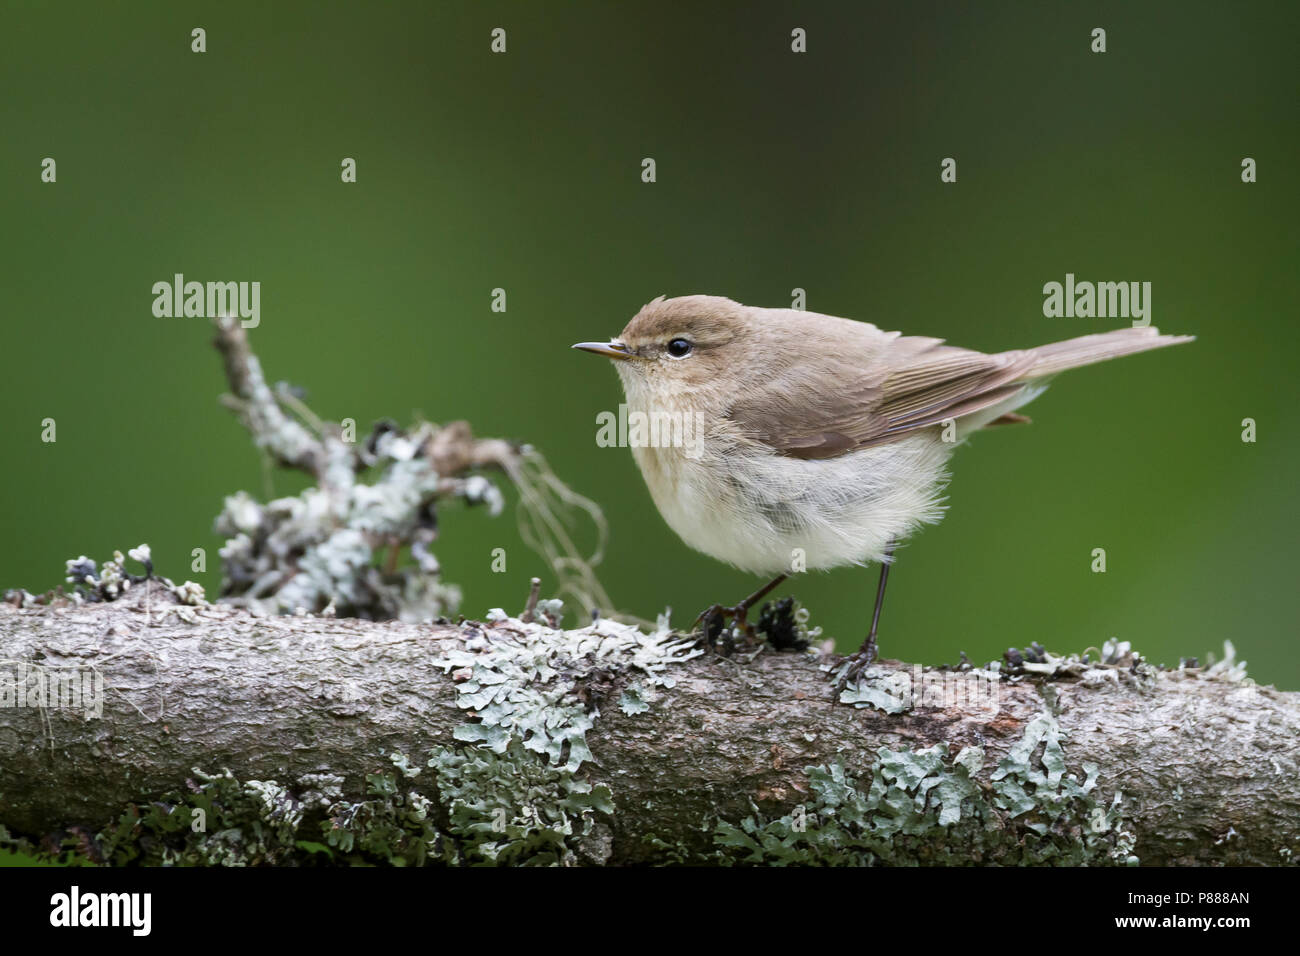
(1087, 349)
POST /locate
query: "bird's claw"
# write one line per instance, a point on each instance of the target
(710, 612)
(711, 625)
(857, 662)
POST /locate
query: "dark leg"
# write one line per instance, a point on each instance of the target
(869, 645)
(867, 652)
(739, 612)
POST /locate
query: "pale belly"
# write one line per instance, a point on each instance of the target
(766, 513)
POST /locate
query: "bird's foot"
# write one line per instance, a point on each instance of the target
(857, 662)
(714, 633)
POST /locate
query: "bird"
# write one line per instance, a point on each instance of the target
(792, 440)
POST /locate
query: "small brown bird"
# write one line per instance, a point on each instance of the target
(779, 439)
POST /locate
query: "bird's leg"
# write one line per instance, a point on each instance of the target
(869, 645)
(739, 612)
(867, 652)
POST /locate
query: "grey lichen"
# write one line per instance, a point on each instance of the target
(509, 807)
(524, 682)
(214, 821)
(1117, 662)
(896, 691)
(92, 583)
(514, 794)
(319, 547)
(923, 807)
(885, 690)
(633, 701)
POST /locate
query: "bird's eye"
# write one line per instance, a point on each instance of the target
(679, 348)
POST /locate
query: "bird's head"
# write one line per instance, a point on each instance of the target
(674, 347)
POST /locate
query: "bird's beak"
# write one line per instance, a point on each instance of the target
(611, 349)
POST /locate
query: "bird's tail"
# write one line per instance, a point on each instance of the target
(1049, 359)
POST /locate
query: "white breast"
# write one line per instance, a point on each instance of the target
(764, 513)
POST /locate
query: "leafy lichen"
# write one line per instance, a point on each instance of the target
(923, 807)
(523, 683)
(511, 808)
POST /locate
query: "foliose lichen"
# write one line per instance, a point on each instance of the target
(925, 807)
(523, 683)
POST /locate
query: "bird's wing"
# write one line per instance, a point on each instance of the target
(871, 393)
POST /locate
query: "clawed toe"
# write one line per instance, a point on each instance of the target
(713, 630)
(858, 661)
(711, 621)
(709, 615)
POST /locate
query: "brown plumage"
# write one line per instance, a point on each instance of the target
(818, 386)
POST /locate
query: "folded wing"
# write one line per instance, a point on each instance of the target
(883, 386)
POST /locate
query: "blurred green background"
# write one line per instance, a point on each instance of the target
(775, 171)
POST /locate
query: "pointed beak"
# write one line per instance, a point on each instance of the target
(611, 349)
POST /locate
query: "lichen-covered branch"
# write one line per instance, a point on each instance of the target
(338, 544)
(291, 444)
(220, 737)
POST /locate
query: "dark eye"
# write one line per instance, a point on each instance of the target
(679, 348)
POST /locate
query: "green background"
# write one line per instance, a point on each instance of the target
(775, 171)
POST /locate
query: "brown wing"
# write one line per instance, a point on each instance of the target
(871, 392)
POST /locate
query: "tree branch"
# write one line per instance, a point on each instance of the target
(513, 742)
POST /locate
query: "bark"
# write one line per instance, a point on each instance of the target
(1206, 763)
